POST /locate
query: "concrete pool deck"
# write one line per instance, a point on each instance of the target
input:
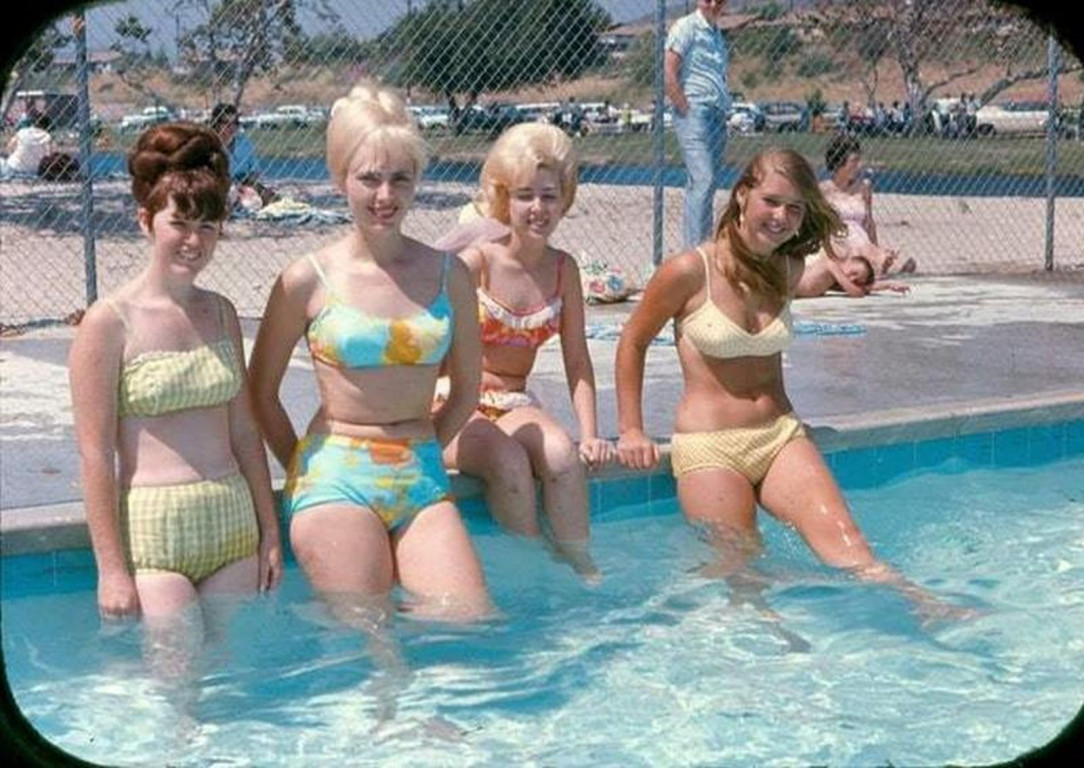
(957, 354)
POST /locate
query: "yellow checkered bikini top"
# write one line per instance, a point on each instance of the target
(162, 381)
(716, 335)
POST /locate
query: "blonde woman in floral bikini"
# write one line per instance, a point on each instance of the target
(529, 292)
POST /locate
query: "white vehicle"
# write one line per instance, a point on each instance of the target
(1011, 118)
(430, 117)
(286, 116)
(148, 117)
(745, 117)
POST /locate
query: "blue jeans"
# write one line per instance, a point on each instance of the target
(701, 134)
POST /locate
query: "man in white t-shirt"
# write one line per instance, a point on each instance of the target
(26, 149)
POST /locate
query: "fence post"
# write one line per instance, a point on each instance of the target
(90, 264)
(1053, 64)
(658, 143)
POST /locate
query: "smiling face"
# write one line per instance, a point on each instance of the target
(771, 213)
(380, 188)
(180, 244)
(710, 9)
(535, 205)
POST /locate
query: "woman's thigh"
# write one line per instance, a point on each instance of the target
(481, 448)
(343, 548)
(436, 561)
(718, 498)
(548, 445)
(799, 490)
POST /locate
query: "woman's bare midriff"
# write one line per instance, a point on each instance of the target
(183, 447)
(391, 401)
(730, 393)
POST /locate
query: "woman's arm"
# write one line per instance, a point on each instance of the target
(817, 279)
(94, 370)
(665, 296)
(579, 372)
(247, 446)
(463, 364)
(672, 77)
(282, 325)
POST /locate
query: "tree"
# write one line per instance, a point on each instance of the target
(239, 38)
(486, 45)
(915, 32)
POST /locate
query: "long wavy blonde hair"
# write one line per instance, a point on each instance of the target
(767, 275)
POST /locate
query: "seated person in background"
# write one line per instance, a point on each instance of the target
(244, 169)
(27, 147)
(852, 197)
(853, 275)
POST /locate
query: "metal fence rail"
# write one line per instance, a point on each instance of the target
(969, 116)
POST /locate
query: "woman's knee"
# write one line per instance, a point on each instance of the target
(560, 456)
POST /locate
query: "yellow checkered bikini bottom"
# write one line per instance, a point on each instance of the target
(192, 529)
(749, 451)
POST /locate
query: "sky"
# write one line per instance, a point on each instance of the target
(364, 18)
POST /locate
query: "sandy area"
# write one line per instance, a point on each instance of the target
(42, 250)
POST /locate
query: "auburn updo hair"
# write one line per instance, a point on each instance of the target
(185, 163)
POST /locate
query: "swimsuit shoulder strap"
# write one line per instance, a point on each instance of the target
(560, 274)
(707, 271)
(319, 271)
(445, 266)
(110, 302)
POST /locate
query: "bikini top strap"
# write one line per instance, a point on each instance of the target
(560, 274)
(115, 307)
(220, 300)
(707, 271)
(319, 271)
(444, 272)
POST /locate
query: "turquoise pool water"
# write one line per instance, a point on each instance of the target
(657, 665)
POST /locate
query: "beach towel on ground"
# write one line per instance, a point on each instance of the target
(291, 212)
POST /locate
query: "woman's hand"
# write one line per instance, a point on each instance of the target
(595, 452)
(636, 450)
(270, 559)
(117, 596)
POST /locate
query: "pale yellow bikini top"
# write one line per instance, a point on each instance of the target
(162, 381)
(715, 335)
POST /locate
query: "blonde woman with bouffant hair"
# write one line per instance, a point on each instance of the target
(377, 118)
(518, 152)
(367, 497)
(529, 292)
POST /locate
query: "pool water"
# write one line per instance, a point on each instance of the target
(657, 665)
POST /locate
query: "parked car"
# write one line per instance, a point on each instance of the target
(780, 116)
(745, 117)
(1012, 117)
(492, 119)
(146, 118)
(430, 116)
(286, 116)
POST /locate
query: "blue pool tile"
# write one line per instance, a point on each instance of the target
(856, 468)
(933, 453)
(1074, 438)
(976, 449)
(662, 486)
(625, 492)
(894, 460)
(1011, 448)
(1046, 443)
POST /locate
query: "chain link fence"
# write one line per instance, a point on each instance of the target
(970, 120)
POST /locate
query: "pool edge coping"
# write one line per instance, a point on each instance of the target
(62, 526)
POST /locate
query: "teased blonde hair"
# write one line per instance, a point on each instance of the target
(520, 150)
(376, 118)
(767, 275)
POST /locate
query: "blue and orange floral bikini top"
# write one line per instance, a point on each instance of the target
(346, 337)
